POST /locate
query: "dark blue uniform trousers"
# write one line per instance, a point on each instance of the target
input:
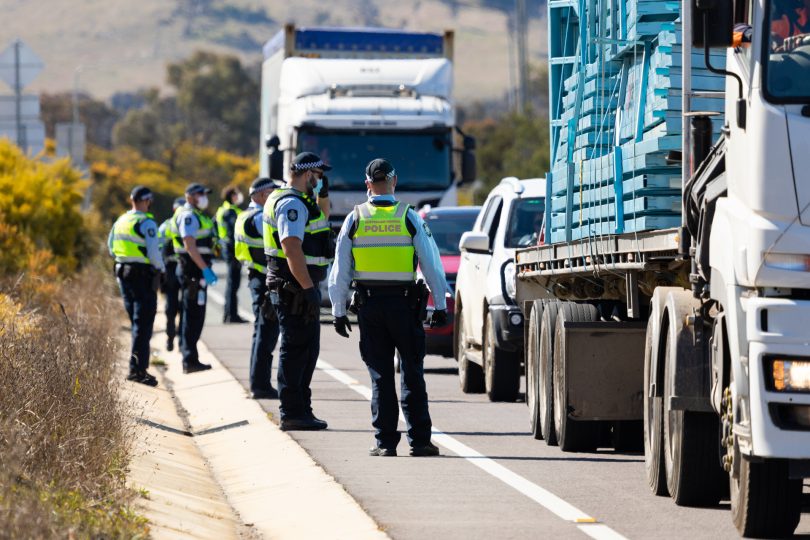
(265, 336)
(171, 289)
(232, 283)
(140, 301)
(389, 323)
(192, 317)
(297, 356)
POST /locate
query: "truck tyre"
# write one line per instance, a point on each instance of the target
(501, 368)
(765, 501)
(545, 374)
(533, 368)
(470, 374)
(572, 435)
(653, 426)
(691, 449)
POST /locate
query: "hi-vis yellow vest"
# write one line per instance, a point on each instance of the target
(128, 243)
(316, 232)
(382, 245)
(249, 248)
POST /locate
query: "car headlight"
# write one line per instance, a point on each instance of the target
(788, 261)
(509, 279)
(788, 375)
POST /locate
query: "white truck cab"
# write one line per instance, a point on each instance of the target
(355, 94)
(489, 324)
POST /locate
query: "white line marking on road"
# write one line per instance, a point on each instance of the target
(542, 496)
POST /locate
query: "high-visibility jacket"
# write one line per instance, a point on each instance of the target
(204, 237)
(128, 243)
(166, 234)
(317, 244)
(382, 244)
(222, 229)
(248, 241)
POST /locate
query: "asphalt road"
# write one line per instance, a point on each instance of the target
(493, 479)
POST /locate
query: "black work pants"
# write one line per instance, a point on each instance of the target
(265, 336)
(171, 289)
(389, 323)
(297, 356)
(140, 301)
(232, 282)
(192, 317)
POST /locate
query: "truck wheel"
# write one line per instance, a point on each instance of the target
(501, 368)
(691, 449)
(545, 373)
(653, 429)
(533, 367)
(572, 435)
(765, 501)
(470, 374)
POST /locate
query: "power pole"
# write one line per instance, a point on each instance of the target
(521, 31)
(21, 142)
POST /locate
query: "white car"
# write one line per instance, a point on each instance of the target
(488, 341)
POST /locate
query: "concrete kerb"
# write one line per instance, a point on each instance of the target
(179, 495)
(271, 482)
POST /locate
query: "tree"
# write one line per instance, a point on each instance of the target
(220, 101)
(97, 117)
(514, 145)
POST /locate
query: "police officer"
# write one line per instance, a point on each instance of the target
(170, 286)
(249, 249)
(133, 242)
(195, 243)
(226, 216)
(378, 249)
(298, 245)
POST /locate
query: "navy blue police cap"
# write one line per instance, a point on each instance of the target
(261, 184)
(140, 193)
(307, 160)
(194, 189)
(380, 169)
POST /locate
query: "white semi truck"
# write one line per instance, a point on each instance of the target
(700, 331)
(354, 94)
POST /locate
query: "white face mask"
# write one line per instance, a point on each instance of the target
(202, 202)
(239, 199)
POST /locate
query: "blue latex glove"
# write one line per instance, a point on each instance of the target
(209, 276)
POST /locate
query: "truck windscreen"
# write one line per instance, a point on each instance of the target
(422, 159)
(787, 52)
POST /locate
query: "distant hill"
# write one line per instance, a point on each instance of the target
(123, 45)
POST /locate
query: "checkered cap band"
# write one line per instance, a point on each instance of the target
(306, 166)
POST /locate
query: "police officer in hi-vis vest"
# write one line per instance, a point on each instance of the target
(378, 249)
(299, 247)
(133, 241)
(170, 286)
(249, 250)
(226, 216)
(195, 243)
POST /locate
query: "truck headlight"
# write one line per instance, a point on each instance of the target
(788, 261)
(509, 279)
(788, 375)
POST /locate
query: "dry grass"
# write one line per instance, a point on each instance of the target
(64, 435)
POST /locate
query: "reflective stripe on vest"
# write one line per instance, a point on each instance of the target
(128, 245)
(382, 245)
(165, 235)
(204, 235)
(222, 231)
(316, 225)
(249, 249)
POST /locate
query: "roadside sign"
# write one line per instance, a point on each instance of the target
(70, 141)
(29, 108)
(30, 65)
(29, 134)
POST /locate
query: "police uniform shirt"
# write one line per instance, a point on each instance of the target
(187, 223)
(291, 218)
(430, 262)
(149, 230)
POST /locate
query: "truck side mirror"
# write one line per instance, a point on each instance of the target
(469, 167)
(275, 157)
(712, 22)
